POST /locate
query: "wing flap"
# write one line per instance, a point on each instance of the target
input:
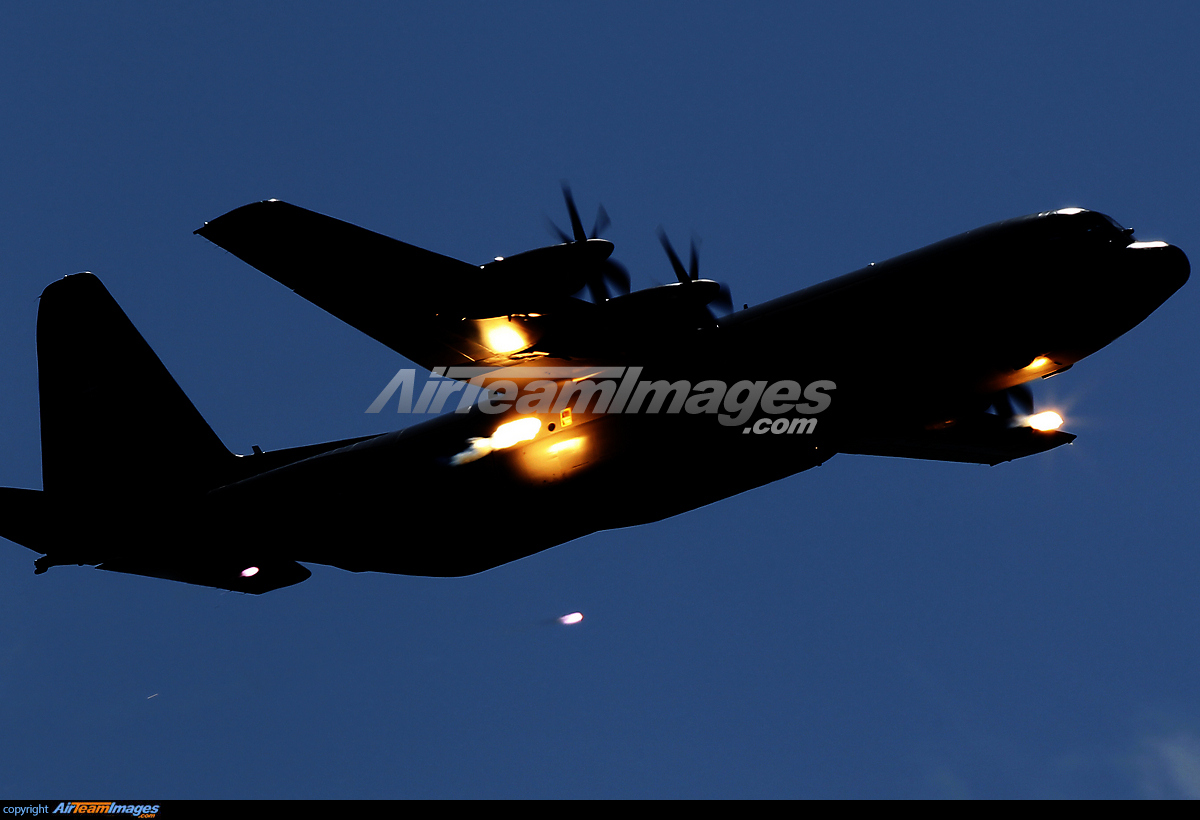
(980, 441)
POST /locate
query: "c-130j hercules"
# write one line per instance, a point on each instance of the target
(139, 483)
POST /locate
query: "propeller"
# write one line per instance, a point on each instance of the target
(1019, 396)
(690, 276)
(607, 271)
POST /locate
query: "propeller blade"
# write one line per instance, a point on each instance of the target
(724, 300)
(597, 289)
(680, 272)
(1022, 397)
(602, 222)
(694, 263)
(557, 231)
(1008, 402)
(616, 275)
(576, 222)
(1003, 404)
(600, 273)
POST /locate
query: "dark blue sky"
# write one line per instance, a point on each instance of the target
(874, 628)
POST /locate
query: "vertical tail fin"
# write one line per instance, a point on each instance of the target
(113, 419)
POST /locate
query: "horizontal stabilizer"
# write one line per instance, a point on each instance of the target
(241, 576)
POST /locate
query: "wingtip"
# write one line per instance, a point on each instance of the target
(207, 226)
(78, 277)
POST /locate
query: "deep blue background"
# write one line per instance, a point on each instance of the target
(874, 628)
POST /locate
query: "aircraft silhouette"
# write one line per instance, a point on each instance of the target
(675, 406)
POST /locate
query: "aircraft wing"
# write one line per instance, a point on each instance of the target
(985, 439)
(389, 290)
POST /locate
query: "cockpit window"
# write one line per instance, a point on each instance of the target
(1093, 222)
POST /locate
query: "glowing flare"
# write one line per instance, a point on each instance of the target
(561, 446)
(1046, 421)
(573, 618)
(514, 432)
(504, 339)
(506, 435)
(249, 572)
(1040, 361)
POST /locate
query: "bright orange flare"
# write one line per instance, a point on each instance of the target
(561, 446)
(1046, 421)
(514, 432)
(504, 339)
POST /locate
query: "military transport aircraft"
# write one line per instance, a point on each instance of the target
(602, 413)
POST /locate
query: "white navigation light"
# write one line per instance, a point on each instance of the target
(249, 572)
(1046, 421)
(573, 618)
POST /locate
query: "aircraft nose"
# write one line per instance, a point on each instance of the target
(1164, 263)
